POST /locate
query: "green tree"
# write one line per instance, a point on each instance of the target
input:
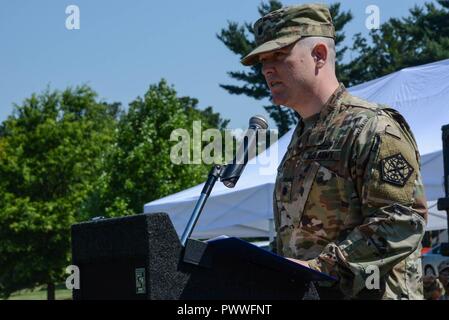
(50, 156)
(139, 167)
(240, 40)
(421, 37)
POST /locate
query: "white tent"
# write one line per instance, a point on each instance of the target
(420, 94)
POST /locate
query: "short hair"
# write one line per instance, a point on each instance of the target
(311, 42)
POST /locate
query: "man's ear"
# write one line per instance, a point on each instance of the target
(320, 54)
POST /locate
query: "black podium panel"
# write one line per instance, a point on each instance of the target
(112, 253)
(141, 257)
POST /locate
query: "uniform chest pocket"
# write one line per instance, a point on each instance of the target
(292, 193)
(331, 199)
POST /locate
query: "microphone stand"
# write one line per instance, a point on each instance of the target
(215, 173)
(228, 177)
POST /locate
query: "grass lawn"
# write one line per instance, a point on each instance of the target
(41, 294)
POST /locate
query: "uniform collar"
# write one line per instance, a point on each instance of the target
(332, 103)
(327, 113)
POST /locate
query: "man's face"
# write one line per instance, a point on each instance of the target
(289, 73)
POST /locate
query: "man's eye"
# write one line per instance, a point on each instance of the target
(279, 55)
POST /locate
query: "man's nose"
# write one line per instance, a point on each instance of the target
(267, 68)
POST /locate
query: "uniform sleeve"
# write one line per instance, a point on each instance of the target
(386, 173)
(277, 225)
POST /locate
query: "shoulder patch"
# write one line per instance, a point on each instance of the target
(396, 170)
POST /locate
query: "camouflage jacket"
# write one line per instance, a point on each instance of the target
(349, 199)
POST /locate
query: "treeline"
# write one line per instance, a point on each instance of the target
(66, 157)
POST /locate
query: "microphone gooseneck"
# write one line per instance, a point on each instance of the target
(233, 170)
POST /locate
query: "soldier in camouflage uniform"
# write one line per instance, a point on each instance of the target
(349, 199)
(433, 289)
(443, 278)
(437, 288)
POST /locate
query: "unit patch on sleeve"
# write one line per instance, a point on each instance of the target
(396, 170)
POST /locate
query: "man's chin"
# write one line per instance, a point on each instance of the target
(278, 101)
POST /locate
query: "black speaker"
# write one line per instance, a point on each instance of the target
(445, 136)
(443, 203)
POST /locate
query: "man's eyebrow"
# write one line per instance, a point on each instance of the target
(271, 54)
(266, 56)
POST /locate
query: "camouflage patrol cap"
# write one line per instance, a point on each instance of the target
(287, 25)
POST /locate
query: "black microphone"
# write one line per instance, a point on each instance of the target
(232, 172)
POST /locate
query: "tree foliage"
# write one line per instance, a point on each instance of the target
(66, 157)
(419, 38)
(50, 156)
(139, 168)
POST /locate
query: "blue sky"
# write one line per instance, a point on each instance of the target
(124, 46)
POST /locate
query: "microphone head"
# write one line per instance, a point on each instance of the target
(258, 121)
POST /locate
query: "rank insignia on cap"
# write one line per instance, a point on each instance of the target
(396, 170)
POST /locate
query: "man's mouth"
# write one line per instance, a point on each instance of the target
(274, 84)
